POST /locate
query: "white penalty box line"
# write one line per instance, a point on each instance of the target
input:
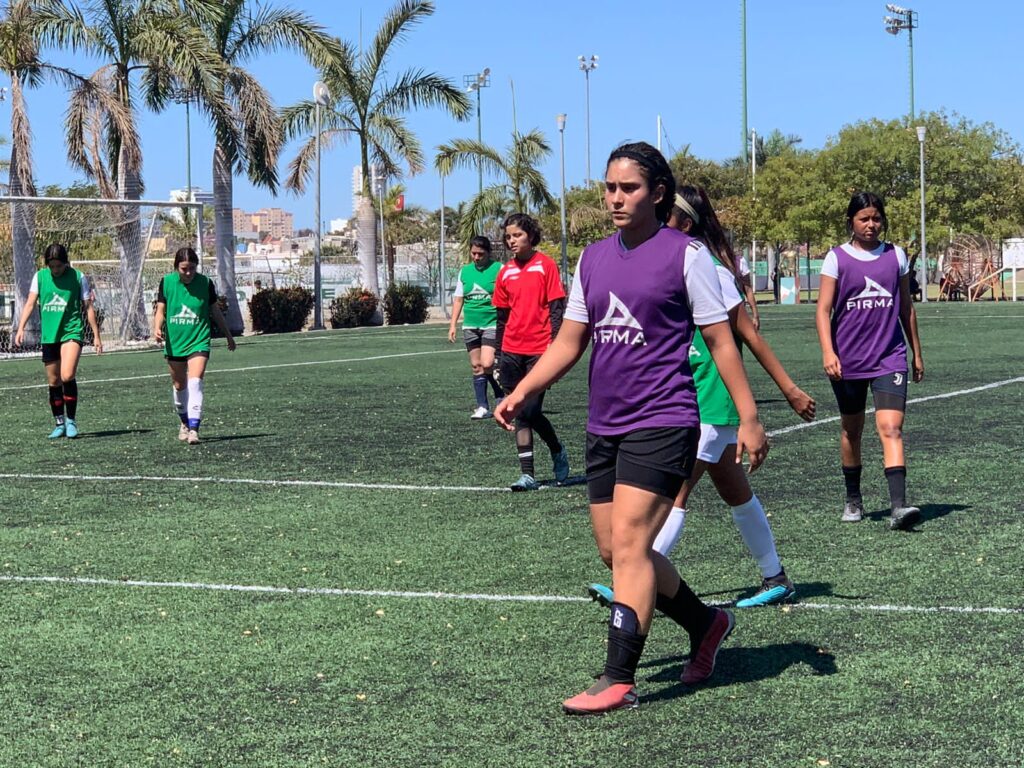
(462, 596)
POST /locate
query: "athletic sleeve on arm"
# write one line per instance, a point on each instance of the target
(703, 290)
(902, 260)
(500, 296)
(459, 290)
(160, 297)
(86, 292)
(34, 287)
(576, 308)
(830, 266)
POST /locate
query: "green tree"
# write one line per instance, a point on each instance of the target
(368, 105)
(521, 188)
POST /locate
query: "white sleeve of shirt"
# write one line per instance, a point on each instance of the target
(730, 294)
(576, 306)
(34, 287)
(86, 289)
(459, 291)
(904, 262)
(830, 266)
(744, 266)
(703, 289)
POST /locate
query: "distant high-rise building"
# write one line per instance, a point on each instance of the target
(275, 222)
(357, 188)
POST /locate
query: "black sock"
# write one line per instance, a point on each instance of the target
(897, 479)
(688, 611)
(480, 390)
(543, 427)
(851, 476)
(495, 387)
(71, 398)
(625, 644)
(56, 396)
(524, 444)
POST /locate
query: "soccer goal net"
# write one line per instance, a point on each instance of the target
(122, 246)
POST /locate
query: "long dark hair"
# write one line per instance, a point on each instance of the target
(185, 254)
(706, 227)
(859, 202)
(654, 168)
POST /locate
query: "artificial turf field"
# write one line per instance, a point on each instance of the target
(442, 622)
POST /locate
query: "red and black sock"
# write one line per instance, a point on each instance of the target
(71, 398)
(57, 403)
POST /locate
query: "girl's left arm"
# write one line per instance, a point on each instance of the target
(908, 319)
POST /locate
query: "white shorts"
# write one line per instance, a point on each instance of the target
(713, 442)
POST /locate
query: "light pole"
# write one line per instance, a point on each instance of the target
(753, 188)
(561, 155)
(476, 83)
(321, 97)
(923, 279)
(743, 71)
(588, 66)
(903, 19)
(184, 96)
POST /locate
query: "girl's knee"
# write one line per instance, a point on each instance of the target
(890, 431)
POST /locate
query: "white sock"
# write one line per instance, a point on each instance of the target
(757, 535)
(195, 403)
(181, 403)
(670, 531)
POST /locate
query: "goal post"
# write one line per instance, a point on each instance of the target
(121, 246)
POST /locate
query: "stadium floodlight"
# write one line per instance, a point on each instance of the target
(903, 19)
(893, 8)
(587, 66)
(474, 84)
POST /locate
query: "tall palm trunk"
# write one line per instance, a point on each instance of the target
(366, 244)
(22, 215)
(134, 324)
(224, 237)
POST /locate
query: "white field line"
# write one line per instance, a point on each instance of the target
(418, 488)
(470, 596)
(252, 481)
(982, 388)
(251, 368)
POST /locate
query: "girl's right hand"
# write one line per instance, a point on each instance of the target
(451, 334)
(830, 361)
(750, 437)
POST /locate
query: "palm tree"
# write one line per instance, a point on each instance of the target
(244, 30)
(365, 106)
(522, 188)
(150, 48)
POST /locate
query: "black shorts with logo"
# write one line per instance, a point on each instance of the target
(51, 352)
(658, 460)
(889, 392)
(513, 369)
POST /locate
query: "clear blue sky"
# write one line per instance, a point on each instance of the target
(813, 66)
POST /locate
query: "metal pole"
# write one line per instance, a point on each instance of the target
(923, 279)
(586, 74)
(910, 46)
(480, 140)
(659, 133)
(383, 244)
(753, 183)
(561, 156)
(318, 310)
(743, 70)
(440, 266)
(188, 153)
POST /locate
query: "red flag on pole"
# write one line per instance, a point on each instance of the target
(400, 203)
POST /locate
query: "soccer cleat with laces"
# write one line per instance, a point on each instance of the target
(70, 428)
(480, 413)
(602, 595)
(904, 518)
(702, 663)
(853, 512)
(774, 590)
(601, 697)
(193, 437)
(183, 432)
(561, 465)
(58, 431)
(525, 483)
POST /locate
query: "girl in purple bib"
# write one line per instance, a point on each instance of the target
(864, 310)
(637, 297)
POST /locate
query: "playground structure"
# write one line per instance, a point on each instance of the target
(971, 267)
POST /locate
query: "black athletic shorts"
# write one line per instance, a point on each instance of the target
(513, 369)
(51, 352)
(889, 392)
(657, 460)
(186, 358)
(479, 337)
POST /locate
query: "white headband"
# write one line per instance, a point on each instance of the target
(686, 208)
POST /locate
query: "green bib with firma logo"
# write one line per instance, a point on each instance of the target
(478, 288)
(60, 306)
(188, 315)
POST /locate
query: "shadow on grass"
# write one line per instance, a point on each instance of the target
(225, 438)
(112, 433)
(928, 512)
(739, 665)
(575, 480)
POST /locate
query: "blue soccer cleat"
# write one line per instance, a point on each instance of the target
(58, 431)
(70, 428)
(561, 463)
(601, 594)
(774, 590)
(525, 483)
